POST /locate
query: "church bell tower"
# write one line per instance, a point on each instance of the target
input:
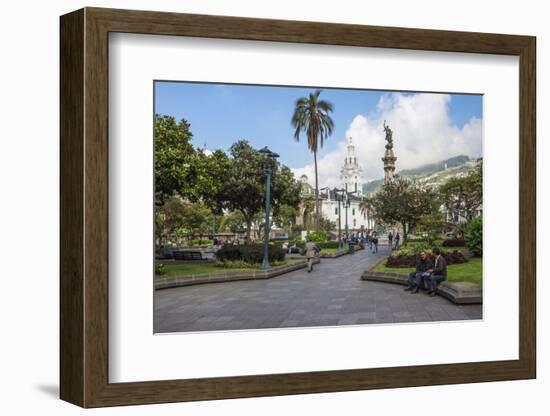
(351, 173)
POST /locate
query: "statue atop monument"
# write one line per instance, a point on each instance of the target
(389, 134)
(389, 158)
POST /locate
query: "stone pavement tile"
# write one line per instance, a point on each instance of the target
(472, 311)
(367, 315)
(382, 319)
(289, 323)
(455, 313)
(422, 316)
(438, 314)
(349, 319)
(332, 295)
(402, 317)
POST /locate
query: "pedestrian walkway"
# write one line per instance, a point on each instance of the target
(332, 294)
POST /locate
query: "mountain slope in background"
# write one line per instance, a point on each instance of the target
(432, 173)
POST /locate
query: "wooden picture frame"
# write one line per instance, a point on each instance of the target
(84, 207)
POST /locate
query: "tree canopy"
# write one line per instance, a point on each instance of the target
(464, 193)
(403, 201)
(244, 187)
(174, 156)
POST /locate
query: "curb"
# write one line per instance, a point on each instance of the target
(179, 281)
(462, 293)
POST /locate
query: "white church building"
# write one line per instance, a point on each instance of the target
(351, 178)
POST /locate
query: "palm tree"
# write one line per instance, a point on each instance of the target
(311, 116)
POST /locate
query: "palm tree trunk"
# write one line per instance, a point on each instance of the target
(316, 193)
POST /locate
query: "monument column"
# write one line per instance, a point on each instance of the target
(389, 158)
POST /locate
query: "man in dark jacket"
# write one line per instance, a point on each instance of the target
(439, 272)
(416, 278)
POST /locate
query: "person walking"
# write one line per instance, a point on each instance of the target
(375, 242)
(397, 238)
(438, 273)
(390, 238)
(312, 250)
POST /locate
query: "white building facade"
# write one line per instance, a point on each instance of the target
(351, 179)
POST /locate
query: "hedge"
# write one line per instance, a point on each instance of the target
(454, 257)
(249, 253)
(454, 242)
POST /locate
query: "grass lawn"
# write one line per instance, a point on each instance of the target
(209, 268)
(333, 250)
(471, 271)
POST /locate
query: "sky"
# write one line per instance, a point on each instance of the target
(427, 127)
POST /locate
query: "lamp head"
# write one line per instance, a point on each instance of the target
(266, 152)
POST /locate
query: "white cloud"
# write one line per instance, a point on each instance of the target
(423, 132)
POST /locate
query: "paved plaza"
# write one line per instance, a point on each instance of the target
(332, 294)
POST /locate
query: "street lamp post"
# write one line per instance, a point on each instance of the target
(213, 226)
(338, 193)
(269, 158)
(339, 198)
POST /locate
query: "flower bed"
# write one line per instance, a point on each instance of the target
(454, 242)
(409, 260)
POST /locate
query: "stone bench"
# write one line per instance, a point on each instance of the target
(187, 255)
(458, 292)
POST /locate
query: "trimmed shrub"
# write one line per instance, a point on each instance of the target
(159, 268)
(474, 236)
(199, 242)
(413, 249)
(454, 242)
(317, 237)
(328, 244)
(400, 260)
(249, 253)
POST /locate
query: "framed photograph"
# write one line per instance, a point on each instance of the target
(254, 207)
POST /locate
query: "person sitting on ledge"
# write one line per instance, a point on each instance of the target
(439, 272)
(416, 278)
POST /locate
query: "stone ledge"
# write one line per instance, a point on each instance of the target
(333, 255)
(178, 281)
(460, 292)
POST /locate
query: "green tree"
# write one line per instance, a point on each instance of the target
(474, 236)
(179, 218)
(286, 217)
(243, 191)
(232, 221)
(168, 218)
(326, 225)
(285, 191)
(209, 178)
(244, 188)
(197, 219)
(430, 225)
(311, 116)
(174, 155)
(464, 194)
(403, 201)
